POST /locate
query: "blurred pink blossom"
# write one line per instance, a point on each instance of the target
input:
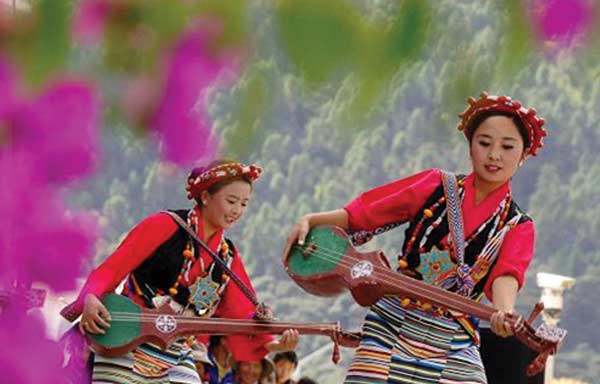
(47, 141)
(181, 121)
(61, 127)
(27, 357)
(563, 21)
(90, 20)
(40, 240)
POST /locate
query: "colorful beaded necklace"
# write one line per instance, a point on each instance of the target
(499, 216)
(189, 255)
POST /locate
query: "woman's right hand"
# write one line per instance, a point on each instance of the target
(297, 235)
(95, 318)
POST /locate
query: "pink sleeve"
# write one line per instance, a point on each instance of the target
(140, 243)
(515, 255)
(398, 201)
(235, 305)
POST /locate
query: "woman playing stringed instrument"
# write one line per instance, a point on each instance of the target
(410, 341)
(162, 264)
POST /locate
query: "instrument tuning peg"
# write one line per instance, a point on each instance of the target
(535, 312)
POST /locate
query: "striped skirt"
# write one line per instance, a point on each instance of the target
(147, 365)
(410, 346)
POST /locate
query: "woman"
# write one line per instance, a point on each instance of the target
(405, 341)
(162, 265)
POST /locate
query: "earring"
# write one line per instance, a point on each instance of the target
(521, 163)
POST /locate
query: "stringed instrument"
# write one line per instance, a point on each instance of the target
(132, 325)
(328, 264)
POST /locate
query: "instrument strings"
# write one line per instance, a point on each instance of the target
(347, 262)
(381, 274)
(151, 317)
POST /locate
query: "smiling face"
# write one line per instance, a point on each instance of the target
(250, 372)
(496, 150)
(224, 207)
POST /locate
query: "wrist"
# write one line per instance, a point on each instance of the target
(89, 296)
(272, 346)
(309, 219)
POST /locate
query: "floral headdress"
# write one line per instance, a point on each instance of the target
(200, 179)
(528, 116)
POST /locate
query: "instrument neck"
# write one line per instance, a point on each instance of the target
(218, 326)
(396, 283)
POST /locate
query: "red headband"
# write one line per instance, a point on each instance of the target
(200, 179)
(486, 103)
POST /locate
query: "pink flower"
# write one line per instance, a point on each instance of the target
(90, 20)
(40, 239)
(562, 21)
(61, 127)
(27, 357)
(181, 121)
(47, 142)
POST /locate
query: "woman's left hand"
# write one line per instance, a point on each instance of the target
(499, 325)
(286, 342)
(289, 340)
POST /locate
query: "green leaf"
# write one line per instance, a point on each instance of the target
(517, 42)
(47, 48)
(318, 36)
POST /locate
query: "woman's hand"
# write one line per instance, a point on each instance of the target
(504, 291)
(337, 217)
(95, 317)
(264, 313)
(499, 325)
(286, 342)
(297, 235)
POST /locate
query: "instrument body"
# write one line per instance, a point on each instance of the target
(133, 325)
(327, 264)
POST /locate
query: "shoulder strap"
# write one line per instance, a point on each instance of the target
(464, 282)
(455, 222)
(245, 290)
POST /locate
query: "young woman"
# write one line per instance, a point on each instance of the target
(160, 262)
(405, 341)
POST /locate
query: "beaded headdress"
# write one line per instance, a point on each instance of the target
(486, 103)
(201, 179)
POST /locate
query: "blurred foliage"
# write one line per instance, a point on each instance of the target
(518, 41)
(39, 40)
(337, 97)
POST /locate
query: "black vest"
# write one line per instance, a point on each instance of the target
(160, 270)
(472, 250)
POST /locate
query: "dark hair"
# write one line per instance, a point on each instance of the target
(288, 355)
(214, 341)
(306, 380)
(479, 119)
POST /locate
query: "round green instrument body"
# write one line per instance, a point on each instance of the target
(126, 322)
(321, 253)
